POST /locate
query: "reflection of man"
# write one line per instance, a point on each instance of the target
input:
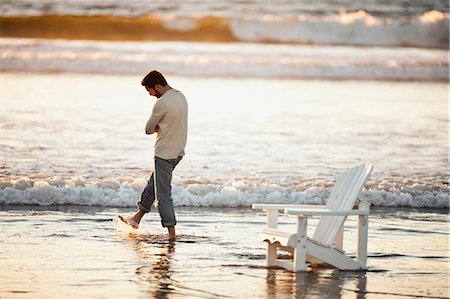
(157, 269)
(169, 122)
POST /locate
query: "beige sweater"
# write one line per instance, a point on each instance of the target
(169, 120)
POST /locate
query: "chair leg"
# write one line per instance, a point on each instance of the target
(271, 255)
(300, 259)
(300, 249)
(363, 229)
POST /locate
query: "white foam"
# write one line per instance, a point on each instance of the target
(237, 60)
(427, 199)
(178, 23)
(124, 192)
(127, 231)
(429, 30)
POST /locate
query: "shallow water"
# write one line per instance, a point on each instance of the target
(68, 252)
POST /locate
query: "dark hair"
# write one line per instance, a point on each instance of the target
(153, 78)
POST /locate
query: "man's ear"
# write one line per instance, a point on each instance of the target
(157, 87)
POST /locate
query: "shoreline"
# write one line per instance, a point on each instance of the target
(86, 209)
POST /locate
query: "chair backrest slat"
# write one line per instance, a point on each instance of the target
(333, 204)
(346, 203)
(343, 197)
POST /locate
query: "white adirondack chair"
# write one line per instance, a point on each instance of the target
(326, 245)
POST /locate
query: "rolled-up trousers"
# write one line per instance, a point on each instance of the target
(159, 191)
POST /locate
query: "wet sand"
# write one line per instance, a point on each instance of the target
(73, 252)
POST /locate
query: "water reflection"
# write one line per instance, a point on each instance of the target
(315, 284)
(156, 271)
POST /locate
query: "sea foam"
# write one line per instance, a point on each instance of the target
(125, 191)
(225, 60)
(429, 30)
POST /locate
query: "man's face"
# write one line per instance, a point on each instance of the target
(153, 92)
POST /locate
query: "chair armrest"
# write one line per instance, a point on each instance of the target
(282, 207)
(324, 212)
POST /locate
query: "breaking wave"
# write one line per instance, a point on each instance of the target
(429, 30)
(124, 191)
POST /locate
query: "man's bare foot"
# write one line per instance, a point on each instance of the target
(128, 221)
(134, 220)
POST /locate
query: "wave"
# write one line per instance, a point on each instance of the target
(225, 60)
(124, 191)
(429, 30)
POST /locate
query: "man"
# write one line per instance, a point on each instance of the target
(169, 122)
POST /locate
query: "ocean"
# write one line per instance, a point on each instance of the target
(283, 97)
(81, 141)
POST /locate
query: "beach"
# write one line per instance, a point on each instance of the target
(282, 100)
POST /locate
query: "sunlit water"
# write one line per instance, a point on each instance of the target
(73, 252)
(74, 153)
(79, 139)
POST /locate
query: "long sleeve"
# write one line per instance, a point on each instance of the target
(159, 109)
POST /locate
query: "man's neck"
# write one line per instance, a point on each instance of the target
(165, 88)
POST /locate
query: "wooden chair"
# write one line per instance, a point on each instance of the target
(326, 245)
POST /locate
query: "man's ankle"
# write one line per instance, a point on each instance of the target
(171, 230)
(138, 216)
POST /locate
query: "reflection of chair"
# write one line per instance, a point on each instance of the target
(303, 285)
(325, 246)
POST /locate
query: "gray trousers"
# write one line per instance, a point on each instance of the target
(161, 178)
